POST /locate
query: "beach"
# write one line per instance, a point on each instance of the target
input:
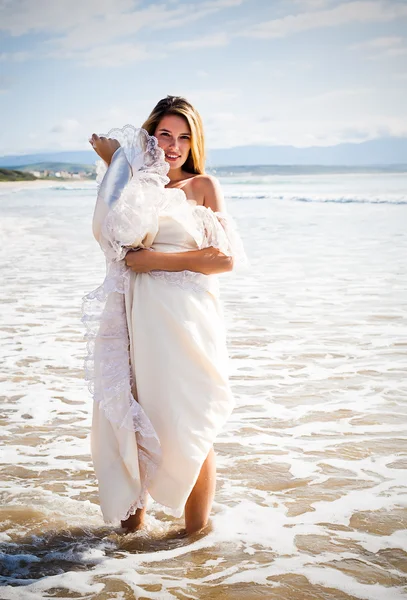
(311, 498)
(37, 184)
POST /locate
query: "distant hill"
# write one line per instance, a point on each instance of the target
(12, 175)
(390, 151)
(80, 159)
(384, 151)
(57, 166)
(292, 170)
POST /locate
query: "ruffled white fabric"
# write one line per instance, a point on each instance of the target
(132, 221)
(128, 215)
(219, 230)
(140, 206)
(142, 152)
(110, 381)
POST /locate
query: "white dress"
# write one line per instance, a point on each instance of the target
(157, 362)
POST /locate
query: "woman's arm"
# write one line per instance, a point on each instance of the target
(207, 191)
(208, 261)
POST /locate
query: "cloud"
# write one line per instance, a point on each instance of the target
(19, 17)
(71, 133)
(188, 13)
(125, 25)
(382, 47)
(66, 134)
(223, 129)
(101, 20)
(339, 95)
(14, 56)
(105, 33)
(66, 127)
(380, 42)
(6, 83)
(219, 97)
(342, 14)
(209, 41)
(111, 55)
(312, 4)
(393, 52)
(226, 130)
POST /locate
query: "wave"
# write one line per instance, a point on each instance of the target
(15, 189)
(64, 188)
(346, 200)
(249, 196)
(338, 199)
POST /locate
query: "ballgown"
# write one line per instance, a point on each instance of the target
(157, 360)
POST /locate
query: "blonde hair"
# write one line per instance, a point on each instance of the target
(176, 105)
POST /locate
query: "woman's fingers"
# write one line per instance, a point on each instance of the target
(103, 146)
(93, 139)
(96, 138)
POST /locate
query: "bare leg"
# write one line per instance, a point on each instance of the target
(199, 503)
(136, 521)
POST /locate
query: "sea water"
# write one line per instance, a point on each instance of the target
(311, 495)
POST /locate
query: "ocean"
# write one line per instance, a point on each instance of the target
(311, 499)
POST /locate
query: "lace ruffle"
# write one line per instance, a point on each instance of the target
(108, 372)
(144, 155)
(131, 221)
(219, 230)
(188, 280)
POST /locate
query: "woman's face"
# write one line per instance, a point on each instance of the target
(174, 137)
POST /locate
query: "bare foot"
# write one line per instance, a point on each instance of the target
(134, 522)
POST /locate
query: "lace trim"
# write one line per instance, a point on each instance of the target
(219, 230)
(188, 280)
(108, 372)
(144, 155)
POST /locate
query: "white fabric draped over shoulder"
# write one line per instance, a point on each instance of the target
(132, 204)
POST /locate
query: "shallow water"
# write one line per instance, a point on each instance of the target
(311, 499)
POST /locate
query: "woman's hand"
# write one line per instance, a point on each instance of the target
(141, 261)
(104, 147)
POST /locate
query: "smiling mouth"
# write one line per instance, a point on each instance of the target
(173, 156)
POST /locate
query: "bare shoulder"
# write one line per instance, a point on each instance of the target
(208, 189)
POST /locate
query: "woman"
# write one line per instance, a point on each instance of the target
(157, 359)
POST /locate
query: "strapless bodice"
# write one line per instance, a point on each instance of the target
(172, 236)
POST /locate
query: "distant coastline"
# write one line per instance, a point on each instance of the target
(49, 170)
(73, 172)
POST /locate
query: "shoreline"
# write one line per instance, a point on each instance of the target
(46, 183)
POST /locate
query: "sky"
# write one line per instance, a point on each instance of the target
(263, 72)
